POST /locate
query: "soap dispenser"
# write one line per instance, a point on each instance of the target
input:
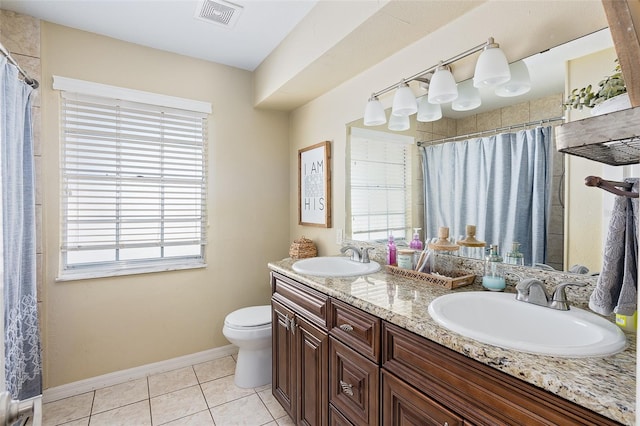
(515, 257)
(493, 278)
(416, 244)
(391, 252)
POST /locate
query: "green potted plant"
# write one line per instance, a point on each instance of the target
(611, 95)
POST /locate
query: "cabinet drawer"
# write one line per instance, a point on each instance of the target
(402, 405)
(480, 394)
(355, 328)
(302, 299)
(336, 418)
(353, 384)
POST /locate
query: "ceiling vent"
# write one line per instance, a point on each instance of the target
(219, 12)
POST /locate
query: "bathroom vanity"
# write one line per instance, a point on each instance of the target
(364, 350)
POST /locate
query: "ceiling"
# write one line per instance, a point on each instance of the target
(300, 49)
(171, 25)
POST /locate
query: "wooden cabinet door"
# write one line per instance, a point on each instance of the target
(404, 405)
(284, 359)
(312, 351)
(353, 384)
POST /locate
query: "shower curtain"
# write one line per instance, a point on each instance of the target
(499, 183)
(23, 367)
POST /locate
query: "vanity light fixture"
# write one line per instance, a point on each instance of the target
(404, 101)
(398, 123)
(427, 111)
(442, 88)
(520, 82)
(468, 97)
(487, 74)
(492, 67)
(374, 114)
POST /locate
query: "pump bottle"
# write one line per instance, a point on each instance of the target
(391, 252)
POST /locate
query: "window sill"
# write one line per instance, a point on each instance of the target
(87, 275)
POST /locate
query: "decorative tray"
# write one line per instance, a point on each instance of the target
(461, 279)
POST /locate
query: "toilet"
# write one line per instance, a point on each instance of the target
(250, 330)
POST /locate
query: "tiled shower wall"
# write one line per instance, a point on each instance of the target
(514, 115)
(20, 35)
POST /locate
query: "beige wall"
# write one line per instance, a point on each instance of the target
(584, 225)
(98, 326)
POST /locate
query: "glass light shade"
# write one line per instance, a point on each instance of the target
(468, 97)
(492, 68)
(374, 113)
(398, 123)
(404, 101)
(519, 84)
(428, 111)
(442, 88)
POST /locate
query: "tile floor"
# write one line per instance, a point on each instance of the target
(203, 394)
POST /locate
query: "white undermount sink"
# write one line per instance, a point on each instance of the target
(334, 266)
(501, 320)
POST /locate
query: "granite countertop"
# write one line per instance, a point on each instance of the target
(605, 385)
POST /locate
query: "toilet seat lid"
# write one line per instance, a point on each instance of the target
(253, 316)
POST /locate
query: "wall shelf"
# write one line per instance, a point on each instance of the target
(612, 138)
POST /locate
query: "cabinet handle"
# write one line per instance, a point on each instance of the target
(293, 325)
(446, 424)
(346, 327)
(286, 322)
(346, 388)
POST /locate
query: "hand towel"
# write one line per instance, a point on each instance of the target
(617, 286)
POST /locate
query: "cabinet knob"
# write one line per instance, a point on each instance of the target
(346, 327)
(346, 388)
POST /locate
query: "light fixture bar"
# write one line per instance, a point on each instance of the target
(449, 61)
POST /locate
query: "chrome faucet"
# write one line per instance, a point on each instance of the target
(532, 290)
(358, 254)
(355, 252)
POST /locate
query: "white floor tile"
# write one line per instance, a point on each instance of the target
(120, 395)
(178, 404)
(170, 381)
(215, 369)
(223, 390)
(68, 409)
(133, 414)
(244, 411)
(272, 404)
(201, 395)
(203, 418)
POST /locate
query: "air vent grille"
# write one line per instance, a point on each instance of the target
(219, 12)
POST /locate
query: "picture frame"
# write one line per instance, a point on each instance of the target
(314, 185)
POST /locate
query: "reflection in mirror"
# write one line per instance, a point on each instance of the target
(543, 102)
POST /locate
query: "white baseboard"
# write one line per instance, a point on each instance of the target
(88, 385)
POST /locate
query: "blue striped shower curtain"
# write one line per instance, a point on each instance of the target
(23, 366)
(500, 183)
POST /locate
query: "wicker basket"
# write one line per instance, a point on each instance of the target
(460, 280)
(302, 248)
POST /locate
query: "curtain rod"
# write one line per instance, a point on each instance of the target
(499, 129)
(30, 81)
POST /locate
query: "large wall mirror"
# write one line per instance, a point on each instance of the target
(402, 169)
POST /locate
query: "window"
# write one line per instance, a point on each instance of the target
(380, 176)
(133, 186)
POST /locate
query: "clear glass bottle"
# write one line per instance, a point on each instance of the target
(514, 257)
(493, 278)
(470, 247)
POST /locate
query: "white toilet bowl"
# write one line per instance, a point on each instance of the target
(250, 330)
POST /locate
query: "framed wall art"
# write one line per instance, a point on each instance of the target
(314, 185)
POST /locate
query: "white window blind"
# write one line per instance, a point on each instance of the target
(380, 187)
(133, 186)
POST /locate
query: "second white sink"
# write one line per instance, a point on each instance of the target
(334, 266)
(499, 319)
